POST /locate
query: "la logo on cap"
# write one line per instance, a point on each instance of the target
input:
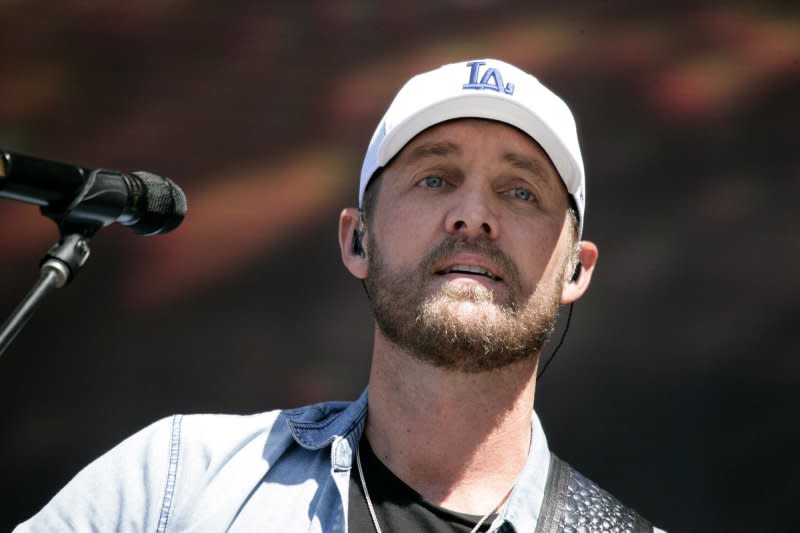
(491, 79)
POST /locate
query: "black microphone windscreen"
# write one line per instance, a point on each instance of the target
(165, 205)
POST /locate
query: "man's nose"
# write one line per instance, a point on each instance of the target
(472, 214)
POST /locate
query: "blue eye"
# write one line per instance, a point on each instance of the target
(432, 182)
(522, 194)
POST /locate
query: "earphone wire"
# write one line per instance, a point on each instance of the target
(560, 342)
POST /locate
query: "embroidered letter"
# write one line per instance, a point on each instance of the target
(491, 79)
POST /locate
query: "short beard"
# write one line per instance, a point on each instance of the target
(431, 328)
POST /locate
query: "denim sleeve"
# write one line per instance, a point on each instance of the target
(127, 489)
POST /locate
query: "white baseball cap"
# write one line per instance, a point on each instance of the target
(484, 88)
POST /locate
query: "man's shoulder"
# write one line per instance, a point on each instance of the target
(182, 469)
(211, 431)
(212, 428)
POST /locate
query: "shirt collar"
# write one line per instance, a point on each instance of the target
(316, 426)
(525, 503)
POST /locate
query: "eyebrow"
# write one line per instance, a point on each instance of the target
(526, 163)
(434, 149)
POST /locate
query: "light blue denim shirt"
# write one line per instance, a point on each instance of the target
(276, 471)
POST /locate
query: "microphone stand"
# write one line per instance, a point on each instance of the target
(81, 202)
(59, 267)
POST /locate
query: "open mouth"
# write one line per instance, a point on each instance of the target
(471, 270)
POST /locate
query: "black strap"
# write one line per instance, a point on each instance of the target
(572, 501)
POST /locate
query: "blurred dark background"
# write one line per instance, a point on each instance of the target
(677, 387)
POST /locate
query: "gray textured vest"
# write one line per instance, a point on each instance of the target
(574, 504)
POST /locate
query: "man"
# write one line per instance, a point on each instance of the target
(467, 240)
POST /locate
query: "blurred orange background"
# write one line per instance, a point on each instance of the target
(676, 387)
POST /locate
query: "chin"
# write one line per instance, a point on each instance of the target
(473, 297)
(470, 311)
(466, 313)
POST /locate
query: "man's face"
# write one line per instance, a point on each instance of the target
(468, 246)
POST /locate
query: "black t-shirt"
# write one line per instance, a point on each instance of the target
(399, 508)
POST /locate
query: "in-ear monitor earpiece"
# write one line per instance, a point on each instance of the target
(577, 273)
(358, 249)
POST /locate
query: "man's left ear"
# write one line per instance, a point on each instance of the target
(587, 259)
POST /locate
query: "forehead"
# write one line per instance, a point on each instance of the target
(458, 139)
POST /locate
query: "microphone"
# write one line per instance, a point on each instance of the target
(91, 199)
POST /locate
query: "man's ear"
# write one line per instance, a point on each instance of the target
(587, 259)
(351, 242)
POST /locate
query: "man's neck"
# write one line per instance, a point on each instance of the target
(458, 439)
